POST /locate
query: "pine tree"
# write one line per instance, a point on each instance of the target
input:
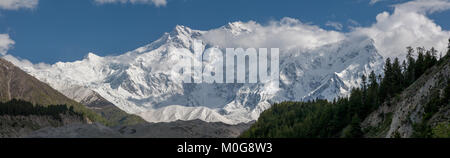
(430, 58)
(397, 78)
(420, 63)
(364, 82)
(404, 69)
(364, 93)
(355, 127)
(372, 80)
(386, 82)
(410, 70)
(372, 92)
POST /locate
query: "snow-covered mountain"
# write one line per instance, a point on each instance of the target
(141, 81)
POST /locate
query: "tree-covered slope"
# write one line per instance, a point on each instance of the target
(422, 110)
(410, 100)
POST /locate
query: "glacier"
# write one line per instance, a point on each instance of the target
(141, 81)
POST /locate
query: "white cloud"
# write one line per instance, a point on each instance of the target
(17, 4)
(408, 25)
(335, 25)
(154, 2)
(5, 44)
(288, 33)
(372, 2)
(423, 6)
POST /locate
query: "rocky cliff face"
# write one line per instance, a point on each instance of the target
(398, 117)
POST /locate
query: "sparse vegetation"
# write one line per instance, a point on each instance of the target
(442, 130)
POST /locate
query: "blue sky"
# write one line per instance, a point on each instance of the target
(66, 30)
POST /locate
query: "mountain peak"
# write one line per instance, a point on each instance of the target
(181, 30)
(237, 28)
(92, 57)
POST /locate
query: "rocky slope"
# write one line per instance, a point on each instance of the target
(177, 129)
(19, 126)
(398, 117)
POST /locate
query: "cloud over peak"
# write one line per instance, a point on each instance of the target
(287, 33)
(407, 25)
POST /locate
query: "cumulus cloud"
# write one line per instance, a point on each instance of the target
(288, 33)
(17, 4)
(408, 25)
(335, 25)
(154, 2)
(5, 44)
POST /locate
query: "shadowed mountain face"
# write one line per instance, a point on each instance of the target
(14, 83)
